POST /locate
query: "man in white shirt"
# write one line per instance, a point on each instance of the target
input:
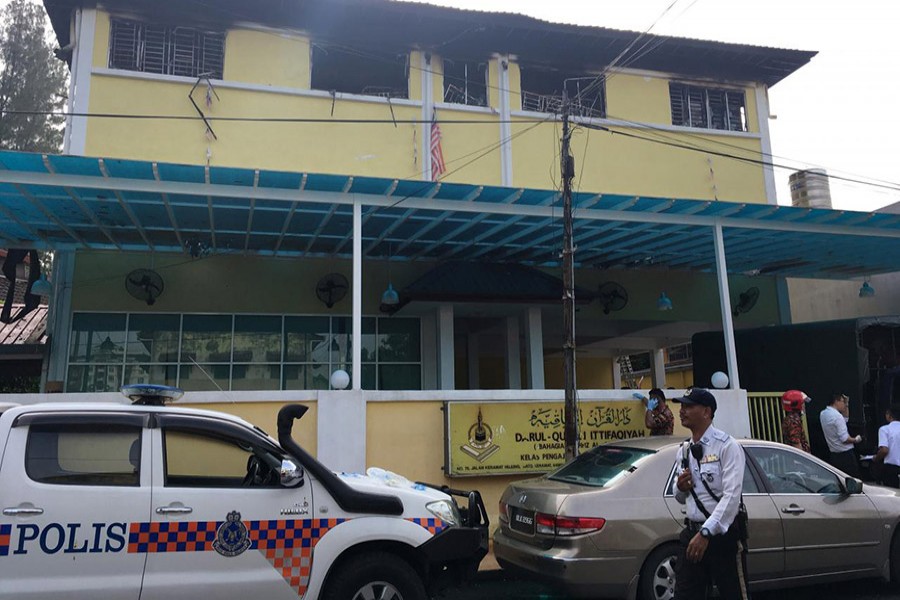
(888, 454)
(840, 444)
(712, 546)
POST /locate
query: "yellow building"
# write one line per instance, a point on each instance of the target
(245, 185)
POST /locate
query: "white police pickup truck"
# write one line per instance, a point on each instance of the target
(151, 502)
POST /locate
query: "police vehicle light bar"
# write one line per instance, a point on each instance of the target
(144, 394)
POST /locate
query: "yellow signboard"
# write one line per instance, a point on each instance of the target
(497, 438)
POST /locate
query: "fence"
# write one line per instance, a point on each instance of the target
(766, 415)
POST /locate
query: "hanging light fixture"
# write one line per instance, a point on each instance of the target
(41, 287)
(390, 299)
(664, 302)
(866, 290)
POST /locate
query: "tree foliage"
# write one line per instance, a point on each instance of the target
(32, 80)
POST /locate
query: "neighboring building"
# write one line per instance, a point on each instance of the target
(492, 82)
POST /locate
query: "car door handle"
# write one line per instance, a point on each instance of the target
(174, 510)
(793, 509)
(18, 512)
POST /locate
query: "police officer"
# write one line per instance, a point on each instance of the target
(711, 467)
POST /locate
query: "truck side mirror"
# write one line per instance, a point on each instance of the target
(291, 474)
(853, 485)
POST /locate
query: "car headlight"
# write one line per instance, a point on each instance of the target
(444, 510)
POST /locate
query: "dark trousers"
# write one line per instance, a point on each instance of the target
(846, 461)
(890, 475)
(724, 563)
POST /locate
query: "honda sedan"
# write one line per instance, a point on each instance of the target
(607, 523)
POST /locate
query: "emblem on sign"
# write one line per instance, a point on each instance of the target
(481, 444)
(231, 537)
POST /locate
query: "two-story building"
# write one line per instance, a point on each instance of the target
(247, 183)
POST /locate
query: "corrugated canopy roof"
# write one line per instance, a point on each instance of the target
(79, 202)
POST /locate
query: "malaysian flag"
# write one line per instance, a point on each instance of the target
(437, 155)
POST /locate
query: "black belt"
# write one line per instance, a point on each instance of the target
(693, 526)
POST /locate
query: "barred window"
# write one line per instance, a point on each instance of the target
(167, 50)
(707, 108)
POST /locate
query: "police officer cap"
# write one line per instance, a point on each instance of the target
(698, 396)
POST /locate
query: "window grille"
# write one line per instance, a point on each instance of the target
(542, 91)
(182, 51)
(707, 108)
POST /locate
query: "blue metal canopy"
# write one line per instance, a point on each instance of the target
(57, 202)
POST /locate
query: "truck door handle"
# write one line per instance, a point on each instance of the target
(174, 510)
(793, 509)
(18, 512)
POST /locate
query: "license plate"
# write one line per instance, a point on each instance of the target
(522, 520)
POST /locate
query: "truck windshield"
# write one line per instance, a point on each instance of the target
(601, 466)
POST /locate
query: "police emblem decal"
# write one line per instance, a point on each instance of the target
(231, 536)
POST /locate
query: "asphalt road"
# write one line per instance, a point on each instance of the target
(498, 585)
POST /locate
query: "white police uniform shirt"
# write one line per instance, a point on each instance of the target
(722, 467)
(834, 426)
(889, 437)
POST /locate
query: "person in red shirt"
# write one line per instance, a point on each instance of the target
(793, 402)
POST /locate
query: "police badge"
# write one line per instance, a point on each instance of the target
(231, 536)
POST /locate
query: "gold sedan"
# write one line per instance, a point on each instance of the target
(606, 524)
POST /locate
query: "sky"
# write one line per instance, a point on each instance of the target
(838, 112)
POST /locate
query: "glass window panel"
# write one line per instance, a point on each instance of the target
(153, 338)
(206, 338)
(306, 339)
(306, 377)
(368, 377)
(83, 454)
(203, 378)
(94, 378)
(369, 339)
(153, 374)
(399, 377)
(255, 377)
(398, 340)
(97, 337)
(257, 339)
(341, 348)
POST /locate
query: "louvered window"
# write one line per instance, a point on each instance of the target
(184, 51)
(707, 108)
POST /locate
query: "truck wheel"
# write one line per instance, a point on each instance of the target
(657, 580)
(379, 575)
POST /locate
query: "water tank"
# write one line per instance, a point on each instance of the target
(809, 189)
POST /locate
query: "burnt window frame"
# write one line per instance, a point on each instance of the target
(339, 61)
(164, 49)
(461, 84)
(718, 108)
(574, 82)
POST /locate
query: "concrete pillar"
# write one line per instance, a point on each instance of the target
(59, 321)
(658, 368)
(616, 373)
(535, 348)
(513, 352)
(341, 430)
(446, 374)
(725, 304)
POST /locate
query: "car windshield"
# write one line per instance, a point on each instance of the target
(601, 466)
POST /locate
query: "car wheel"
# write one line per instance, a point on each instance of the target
(895, 558)
(657, 580)
(377, 575)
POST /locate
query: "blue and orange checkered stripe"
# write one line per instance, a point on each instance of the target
(198, 536)
(5, 535)
(435, 526)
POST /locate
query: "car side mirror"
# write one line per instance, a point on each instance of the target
(853, 485)
(291, 474)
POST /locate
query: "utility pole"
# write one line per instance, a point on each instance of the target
(567, 169)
